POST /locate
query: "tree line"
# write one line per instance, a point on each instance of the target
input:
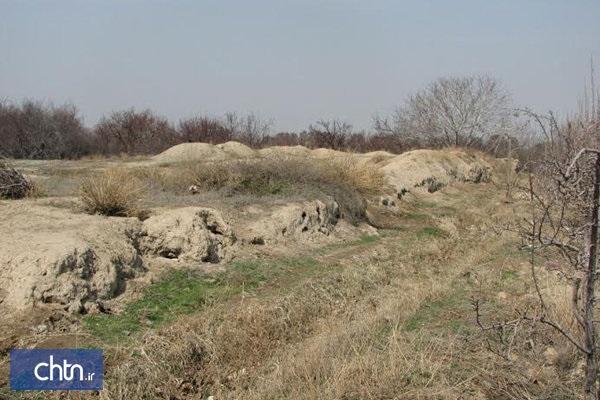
(467, 111)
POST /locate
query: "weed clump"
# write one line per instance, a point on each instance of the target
(432, 184)
(115, 192)
(479, 174)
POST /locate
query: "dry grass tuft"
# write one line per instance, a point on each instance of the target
(114, 192)
(365, 178)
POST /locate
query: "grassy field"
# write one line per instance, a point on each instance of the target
(386, 316)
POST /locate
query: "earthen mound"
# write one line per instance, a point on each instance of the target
(52, 255)
(185, 152)
(434, 168)
(188, 234)
(237, 150)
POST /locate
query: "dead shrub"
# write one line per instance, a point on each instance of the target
(155, 177)
(115, 192)
(212, 176)
(13, 185)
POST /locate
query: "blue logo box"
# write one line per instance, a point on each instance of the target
(56, 369)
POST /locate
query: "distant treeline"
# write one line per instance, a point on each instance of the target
(466, 112)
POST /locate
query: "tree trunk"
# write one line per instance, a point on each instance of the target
(591, 370)
(509, 170)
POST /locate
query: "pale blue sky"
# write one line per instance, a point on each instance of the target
(292, 61)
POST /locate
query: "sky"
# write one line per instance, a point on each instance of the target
(294, 62)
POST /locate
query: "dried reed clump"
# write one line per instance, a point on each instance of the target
(13, 185)
(358, 174)
(114, 192)
(347, 179)
(272, 175)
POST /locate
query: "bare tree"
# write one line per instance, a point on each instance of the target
(451, 112)
(331, 134)
(204, 129)
(249, 129)
(41, 131)
(134, 132)
(566, 219)
(564, 198)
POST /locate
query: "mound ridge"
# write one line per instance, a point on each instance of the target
(191, 152)
(412, 168)
(404, 171)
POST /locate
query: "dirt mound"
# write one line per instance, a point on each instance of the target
(51, 255)
(191, 152)
(237, 150)
(284, 151)
(379, 156)
(295, 220)
(189, 234)
(433, 169)
(327, 153)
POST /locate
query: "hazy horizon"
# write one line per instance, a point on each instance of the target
(290, 61)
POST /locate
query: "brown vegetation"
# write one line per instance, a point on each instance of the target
(132, 132)
(34, 130)
(561, 234)
(13, 185)
(114, 192)
(470, 111)
(274, 174)
(345, 179)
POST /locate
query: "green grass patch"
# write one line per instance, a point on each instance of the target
(426, 204)
(364, 240)
(509, 275)
(264, 186)
(417, 216)
(429, 231)
(367, 239)
(440, 313)
(417, 377)
(179, 292)
(381, 335)
(250, 274)
(183, 292)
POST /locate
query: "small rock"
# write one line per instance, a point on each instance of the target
(401, 193)
(40, 329)
(387, 201)
(76, 307)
